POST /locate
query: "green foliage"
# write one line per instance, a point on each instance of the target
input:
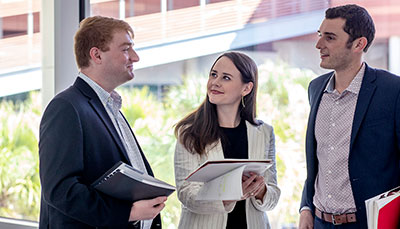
(281, 102)
(19, 180)
(154, 129)
(184, 98)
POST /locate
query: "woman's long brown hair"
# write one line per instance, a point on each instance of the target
(201, 128)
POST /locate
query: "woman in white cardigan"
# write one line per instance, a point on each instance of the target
(224, 126)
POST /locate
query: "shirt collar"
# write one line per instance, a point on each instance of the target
(113, 99)
(354, 86)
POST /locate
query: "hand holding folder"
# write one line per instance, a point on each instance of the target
(223, 178)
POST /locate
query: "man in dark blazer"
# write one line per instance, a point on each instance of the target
(83, 134)
(353, 133)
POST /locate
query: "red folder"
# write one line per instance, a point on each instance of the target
(389, 215)
(383, 211)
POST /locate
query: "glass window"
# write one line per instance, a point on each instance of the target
(109, 8)
(141, 7)
(179, 4)
(20, 62)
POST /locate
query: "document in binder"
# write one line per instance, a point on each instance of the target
(124, 182)
(223, 178)
(383, 211)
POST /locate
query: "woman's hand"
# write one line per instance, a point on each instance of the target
(228, 202)
(253, 186)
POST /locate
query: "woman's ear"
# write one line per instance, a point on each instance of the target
(247, 88)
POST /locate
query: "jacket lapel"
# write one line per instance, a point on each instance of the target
(98, 107)
(256, 144)
(315, 98)
(364, 98)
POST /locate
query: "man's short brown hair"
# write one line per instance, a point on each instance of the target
(97, 32)
(358, 22)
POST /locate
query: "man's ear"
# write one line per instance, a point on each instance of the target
(359, 44)
(247, 88)
(95, 55)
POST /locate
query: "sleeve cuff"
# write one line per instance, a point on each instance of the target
(305, 208)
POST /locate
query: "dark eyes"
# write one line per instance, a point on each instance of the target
(215, 75)
(327, 37)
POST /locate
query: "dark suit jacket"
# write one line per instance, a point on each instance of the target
(78, 143)
(374, 160)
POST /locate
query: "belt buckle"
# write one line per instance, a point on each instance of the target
(334, 221)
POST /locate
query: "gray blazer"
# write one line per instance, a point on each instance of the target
(213, 214)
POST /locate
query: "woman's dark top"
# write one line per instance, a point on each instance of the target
(235, 145)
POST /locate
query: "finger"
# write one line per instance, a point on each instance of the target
(247, 192)
(260, 178)
(250, 194)
(159, 207)
(254, 185)
(245, 196)
(256, 189)
(252, 190)
(158, 200)
(260, 185)
(247, 182)
(259, 181)
(245, 177)
(253, 173)
(261, 191)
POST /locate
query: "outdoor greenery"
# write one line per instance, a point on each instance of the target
(282, 102)
(19, 171)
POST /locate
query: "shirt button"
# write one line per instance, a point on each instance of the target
(337, 102)
(332, 148)
(333, 124)
(329, 171)
(329, 196)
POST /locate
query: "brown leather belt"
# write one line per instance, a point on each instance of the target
(336, 219)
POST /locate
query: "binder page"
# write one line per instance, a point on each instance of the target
(225, 187)
(212, 169)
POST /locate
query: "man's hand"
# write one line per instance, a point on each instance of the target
(147, 209)
(306, 220)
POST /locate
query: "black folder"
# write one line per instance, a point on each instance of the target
(124, 182)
